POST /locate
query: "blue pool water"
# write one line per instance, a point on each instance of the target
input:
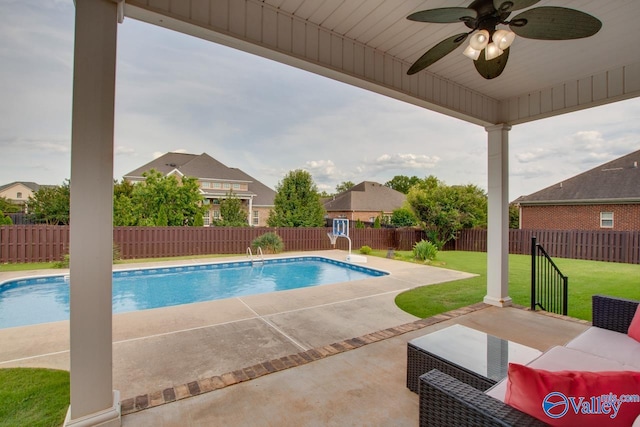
(46, 299)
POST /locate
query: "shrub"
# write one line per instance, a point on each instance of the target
(270, 243)
(5, 220)
(63, 263)
(403, 217)
(425, 250)
(376, 223)
(359, 224)
(365, 250)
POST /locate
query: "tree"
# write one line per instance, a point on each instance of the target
(344, 186)
(514, 216)
(122, 204)
(403, 217)
(7, 207)
(232, 212)
(50, 204)
(163, 200)
(297, 203)
(444, 209)
(402, 183)
(5, 220)
(123, 211)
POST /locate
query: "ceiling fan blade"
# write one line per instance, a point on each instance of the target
(510, 5)
(554, 23)
(493, 68)
(445, 15)
(437, 52)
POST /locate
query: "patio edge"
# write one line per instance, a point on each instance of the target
(195, 388)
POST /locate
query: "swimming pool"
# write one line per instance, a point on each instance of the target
(35, 300)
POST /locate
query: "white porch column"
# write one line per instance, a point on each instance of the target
(93, 400)
(498, 220)
(250, 216)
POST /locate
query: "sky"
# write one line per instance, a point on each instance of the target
(178, 93)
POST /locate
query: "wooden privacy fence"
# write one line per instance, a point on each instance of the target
(45, 243)
(610, 246)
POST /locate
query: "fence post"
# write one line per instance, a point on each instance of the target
(565, 296)
(533, 273)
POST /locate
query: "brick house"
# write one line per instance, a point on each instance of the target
(216, 181)
(365, 202)
(606, 197)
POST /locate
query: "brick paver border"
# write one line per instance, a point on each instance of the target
(206, 385)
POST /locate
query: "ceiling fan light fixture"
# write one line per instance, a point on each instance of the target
(492, 51)
(479, 40)
(471, 53)
(503, 38)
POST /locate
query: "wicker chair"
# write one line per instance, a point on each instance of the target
(445, 401)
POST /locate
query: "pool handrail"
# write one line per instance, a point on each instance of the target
(258, 253)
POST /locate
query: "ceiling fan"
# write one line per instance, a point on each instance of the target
(488, 45)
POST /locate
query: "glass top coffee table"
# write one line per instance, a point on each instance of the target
(471, 356)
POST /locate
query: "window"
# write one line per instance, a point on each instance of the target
(216, 215)
(256, 218)
(215, 201)
(236, 186)
(217, 185)
(206, 185)
(207, 221)
(606, 219)
(226, 186)
(19, 195)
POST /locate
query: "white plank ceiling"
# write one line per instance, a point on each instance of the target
(371, 44)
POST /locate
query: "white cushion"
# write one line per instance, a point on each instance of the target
(610, 345)
(563, 359)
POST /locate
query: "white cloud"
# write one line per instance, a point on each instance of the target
(122, 150)
(407, 161)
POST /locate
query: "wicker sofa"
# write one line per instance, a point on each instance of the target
(445, 401)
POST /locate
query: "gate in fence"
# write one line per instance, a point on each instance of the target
(549, 287)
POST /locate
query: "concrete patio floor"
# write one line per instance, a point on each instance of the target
(327, 355)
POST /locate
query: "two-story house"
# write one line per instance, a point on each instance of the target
(19, 192)
(216, 182)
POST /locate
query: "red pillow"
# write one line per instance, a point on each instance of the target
(634, 327)
(571, 398)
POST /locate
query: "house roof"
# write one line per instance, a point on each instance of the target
(201, 166)
(617, 181)
(32, 185)
(367, 196)
(206, 168)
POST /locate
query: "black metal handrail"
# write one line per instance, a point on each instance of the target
(549, 287)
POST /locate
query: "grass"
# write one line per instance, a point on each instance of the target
(586, 278)
(46, 265)
(27, 266)
(33, 397)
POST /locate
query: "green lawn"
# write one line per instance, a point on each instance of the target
(46, 265)
(33, 397)
(586, 278)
